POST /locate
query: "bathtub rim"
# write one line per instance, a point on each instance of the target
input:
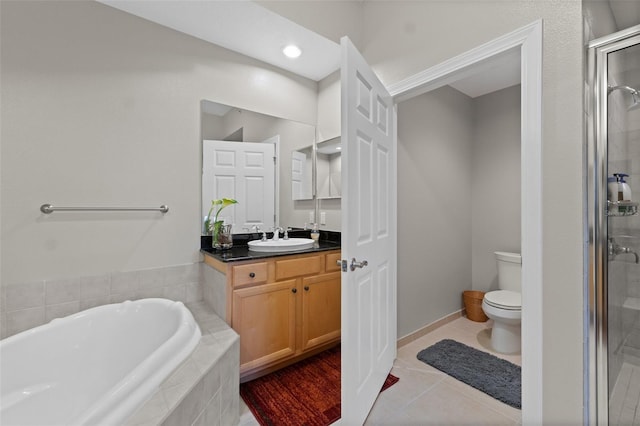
(135, 388)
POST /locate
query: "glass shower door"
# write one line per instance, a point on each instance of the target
(613, 194)
(623, 246)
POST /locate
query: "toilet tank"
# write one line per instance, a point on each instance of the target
(509, 271)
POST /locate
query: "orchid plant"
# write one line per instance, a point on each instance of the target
(212, 226)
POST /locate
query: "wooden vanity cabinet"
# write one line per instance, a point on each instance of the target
(320, 310)
(284, 308)
(265, 318)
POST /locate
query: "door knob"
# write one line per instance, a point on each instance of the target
(355, 264)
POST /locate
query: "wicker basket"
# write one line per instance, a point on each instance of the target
(473, 305)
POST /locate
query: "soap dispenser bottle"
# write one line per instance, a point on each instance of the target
(624, 190)
(315, 233)
(612, 188)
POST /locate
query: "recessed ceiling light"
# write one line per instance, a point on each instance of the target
(292, 51)
(338, 148)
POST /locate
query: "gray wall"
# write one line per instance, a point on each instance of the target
(495, 183)
(435, 134)
(213, 127)
(456, 152)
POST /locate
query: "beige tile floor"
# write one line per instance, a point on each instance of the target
(425, 395)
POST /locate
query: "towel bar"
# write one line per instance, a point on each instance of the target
(48, 209)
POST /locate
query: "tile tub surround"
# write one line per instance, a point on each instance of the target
(214, 289)
(27, 305)
(205, 388)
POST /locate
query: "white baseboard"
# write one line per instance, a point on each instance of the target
(429, 328)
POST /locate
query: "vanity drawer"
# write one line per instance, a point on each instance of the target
(332, 259)
(252, 273)
(297, 267)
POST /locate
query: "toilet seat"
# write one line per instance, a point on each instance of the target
(504, 299)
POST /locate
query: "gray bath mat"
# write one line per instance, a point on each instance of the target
(494, 376)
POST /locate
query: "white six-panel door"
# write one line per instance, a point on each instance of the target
(368, 234)
(300, 174)
(244, 171)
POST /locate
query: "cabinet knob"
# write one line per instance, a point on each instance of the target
(252, 274)
(294, 290)
(306, 288)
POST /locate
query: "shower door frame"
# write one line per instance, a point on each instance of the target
(596, 252)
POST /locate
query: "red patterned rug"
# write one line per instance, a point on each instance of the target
(306, 393)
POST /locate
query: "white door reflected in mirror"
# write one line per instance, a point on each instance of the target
(242, 171)
(301, 174)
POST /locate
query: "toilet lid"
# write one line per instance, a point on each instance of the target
(504, 299)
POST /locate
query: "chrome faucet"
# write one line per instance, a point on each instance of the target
(276, 233)
(616, 249)
(257, 229)
(286, 233)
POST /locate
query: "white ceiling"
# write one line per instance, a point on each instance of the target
(499, 72)
(244, 27)
(250, 29)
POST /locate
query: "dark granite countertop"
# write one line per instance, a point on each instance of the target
(240, 251)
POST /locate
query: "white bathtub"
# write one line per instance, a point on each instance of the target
(94, 367)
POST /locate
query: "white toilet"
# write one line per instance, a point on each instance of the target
(504, 306)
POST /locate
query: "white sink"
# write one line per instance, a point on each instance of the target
(292, 244)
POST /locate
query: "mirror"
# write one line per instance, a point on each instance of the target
(328, 169)
(239, 149)
(302, 174)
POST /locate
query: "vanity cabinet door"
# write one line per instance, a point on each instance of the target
(265, 318)
(320, 309)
